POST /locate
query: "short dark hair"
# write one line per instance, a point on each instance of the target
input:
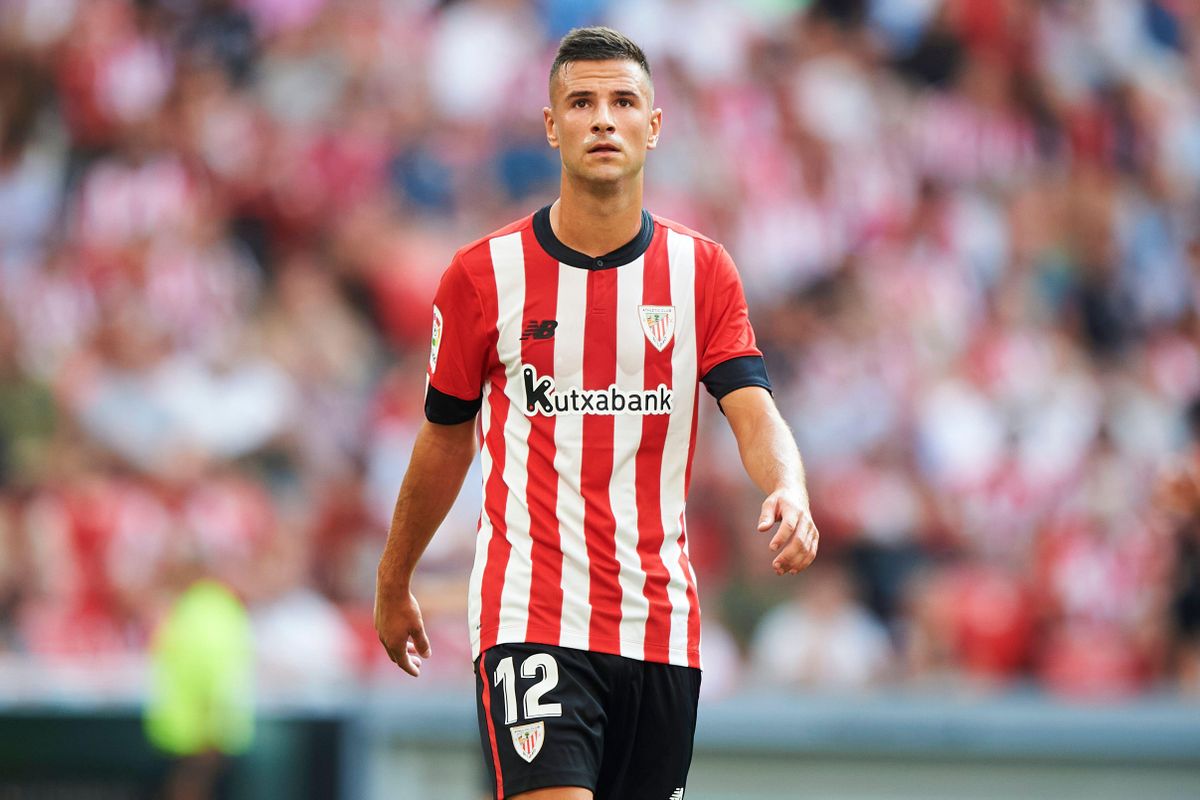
(596, 44)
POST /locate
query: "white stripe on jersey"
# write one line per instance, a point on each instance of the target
(568, 455)
(508, 265)
(681, 255)
(627, 439)
(484, 537)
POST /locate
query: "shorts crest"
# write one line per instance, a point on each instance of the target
(528, 739)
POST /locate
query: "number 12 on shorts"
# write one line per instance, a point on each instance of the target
(506, 680)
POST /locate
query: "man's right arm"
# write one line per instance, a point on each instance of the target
(441, 457)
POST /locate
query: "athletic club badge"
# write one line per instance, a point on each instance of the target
(528, 739)
(436, 340)
(658, 322)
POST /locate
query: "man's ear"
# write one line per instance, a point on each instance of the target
(655, 128)
(551, 132)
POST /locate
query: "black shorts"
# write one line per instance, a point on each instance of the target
(553, 716)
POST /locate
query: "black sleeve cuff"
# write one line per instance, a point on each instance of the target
(446, 409)
(736, 373)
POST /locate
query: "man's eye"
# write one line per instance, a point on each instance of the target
(580, 103)
(624, 101)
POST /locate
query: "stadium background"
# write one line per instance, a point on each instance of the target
(968, 234)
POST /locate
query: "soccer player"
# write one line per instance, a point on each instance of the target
(578, 336)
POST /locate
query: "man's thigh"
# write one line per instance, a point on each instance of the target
(648, 745)
(541, 720)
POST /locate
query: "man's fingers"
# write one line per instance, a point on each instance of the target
(402, 631)
(796, 539)
(806, 557)
(414, 658)
(408, 656)
(786, 531)
(408, 660)
(410, 664)
(799, 552)
(811, 557)
(414, 650)
(770, 513)
(421, 641)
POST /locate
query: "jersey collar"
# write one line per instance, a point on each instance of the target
(628, 252)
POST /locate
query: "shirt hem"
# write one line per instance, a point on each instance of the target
(608, 645)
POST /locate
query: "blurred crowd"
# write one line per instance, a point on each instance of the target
(968, 232)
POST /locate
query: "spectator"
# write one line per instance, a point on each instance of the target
(822, 638)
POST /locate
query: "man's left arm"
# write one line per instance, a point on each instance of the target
(772, 461)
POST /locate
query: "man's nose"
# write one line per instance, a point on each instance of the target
(603, 120)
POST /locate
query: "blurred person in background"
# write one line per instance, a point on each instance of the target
(582, 332)
(200, 710)
(1179, 499)
(28, 415)
(822, 639)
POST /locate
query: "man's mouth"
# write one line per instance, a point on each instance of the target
(604, 147)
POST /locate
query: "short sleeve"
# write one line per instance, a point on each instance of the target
(457, 350)
(727, 331)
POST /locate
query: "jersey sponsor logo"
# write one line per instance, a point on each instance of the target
(658, 323)
(542, 396)
(528, 739)
(539, 329)
(436, 339)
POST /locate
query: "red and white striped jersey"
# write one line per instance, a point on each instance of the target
(587, 372)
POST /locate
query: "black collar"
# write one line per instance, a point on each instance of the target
(628, 252)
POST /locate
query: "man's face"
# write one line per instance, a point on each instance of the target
(600, 119)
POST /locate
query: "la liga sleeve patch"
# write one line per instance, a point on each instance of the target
(436, 339)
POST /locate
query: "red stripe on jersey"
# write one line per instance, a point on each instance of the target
(599, 372)
(693, 599)
(546, 596)
(491, 726)
(495, 494)
(656, 291)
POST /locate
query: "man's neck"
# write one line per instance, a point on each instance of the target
(596, 224)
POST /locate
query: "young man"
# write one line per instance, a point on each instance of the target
(582, 332)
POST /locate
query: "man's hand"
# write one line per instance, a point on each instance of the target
(401, 630)
(772, 461)
(797, 538)
(440, 459)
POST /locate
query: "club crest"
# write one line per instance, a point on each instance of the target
(436, 340)
(528, 739)
(658, 323)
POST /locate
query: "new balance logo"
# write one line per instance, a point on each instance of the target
(539, 329)
(677, 794)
